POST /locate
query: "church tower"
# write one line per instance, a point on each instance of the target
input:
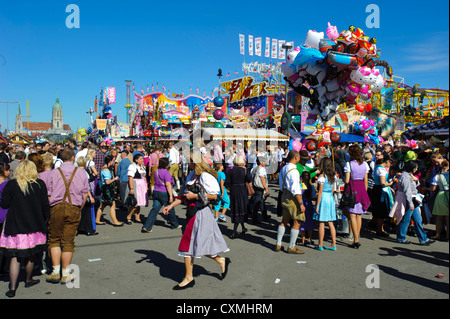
(57, 117)
(19, 124)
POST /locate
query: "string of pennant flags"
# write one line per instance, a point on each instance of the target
(216, 89)
(273, 48)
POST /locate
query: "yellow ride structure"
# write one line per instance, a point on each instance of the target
(419, 106)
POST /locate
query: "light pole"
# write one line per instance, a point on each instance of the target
(7, 113)
(286, 46)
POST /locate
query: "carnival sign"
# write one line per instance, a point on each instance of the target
(101, 124)
(244, 88)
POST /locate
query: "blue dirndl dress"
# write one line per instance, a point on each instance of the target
(327, 205)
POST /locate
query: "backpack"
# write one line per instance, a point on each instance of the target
(256, 181)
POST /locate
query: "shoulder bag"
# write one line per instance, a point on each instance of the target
(348, 197)
(249, 187)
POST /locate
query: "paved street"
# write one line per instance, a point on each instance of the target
(123, 263)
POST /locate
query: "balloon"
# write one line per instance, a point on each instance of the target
(332, 32)
(218, 101)
(313, 39)
(296, 145)
(308, 56)
(218, 114)
(218, 125)
(360, 107)
(333, 70)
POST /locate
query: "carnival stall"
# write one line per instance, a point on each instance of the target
(237, 134)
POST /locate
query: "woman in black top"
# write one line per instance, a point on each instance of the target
(25, 228)
(236, 179)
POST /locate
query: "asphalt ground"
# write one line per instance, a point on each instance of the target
(123, 263)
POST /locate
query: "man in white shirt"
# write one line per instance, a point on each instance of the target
(174, 160)
(83, 152)
(260, 185)
(291, 202)
(280, 158)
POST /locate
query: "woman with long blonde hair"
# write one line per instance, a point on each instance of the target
(24, 232)
(202, 236)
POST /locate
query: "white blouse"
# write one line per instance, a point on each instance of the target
(208, 181)
(132, 170)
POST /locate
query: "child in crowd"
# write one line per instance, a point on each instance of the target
(326, 207)
(308, 195)
(222, 198)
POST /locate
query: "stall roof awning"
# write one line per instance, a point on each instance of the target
(345, 138)
(439, 127)
(244, 134)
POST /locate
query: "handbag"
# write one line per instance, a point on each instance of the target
(249, 187)
(131, 201)
(348, 197)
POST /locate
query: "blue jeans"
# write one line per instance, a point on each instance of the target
(160, 199)
(417, 219)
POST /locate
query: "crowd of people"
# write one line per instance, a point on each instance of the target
(50, 193)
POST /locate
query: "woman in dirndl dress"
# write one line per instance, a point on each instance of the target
(356, 180)
(138, 187)
(202, 236)
(382, 198)
(23, 235)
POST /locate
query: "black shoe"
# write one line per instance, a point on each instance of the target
(227, 262)
(355, 245)
(10, 293)
(234, 235)
(91, 233)
(189, 285)
(31, 283)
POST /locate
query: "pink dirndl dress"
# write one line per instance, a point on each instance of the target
(22, 245)
(140, 187)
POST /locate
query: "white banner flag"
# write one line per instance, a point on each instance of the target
(281, 51)
(274, 49)
(250, 45)
(242, 43)
(258, 46)
(267, 52)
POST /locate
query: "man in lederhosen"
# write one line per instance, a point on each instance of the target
(68, 188)
(291, 202)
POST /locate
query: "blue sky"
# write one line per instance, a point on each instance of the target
(183, 43)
